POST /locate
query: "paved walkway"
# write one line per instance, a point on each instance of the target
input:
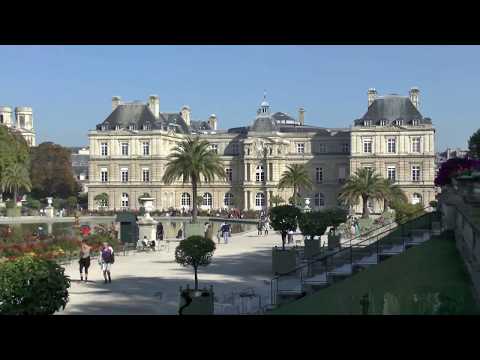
(148, 283)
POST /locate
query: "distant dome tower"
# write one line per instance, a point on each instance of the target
(264, 110)
(6, 116)
(24, 123)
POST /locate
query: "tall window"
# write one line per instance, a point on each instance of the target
(342, 173)
(345, 148)
(391, 173)
(270, 171)
(319, 175)
(260, 200)
(229, 173)
(132, 127)
(416, 144)
(300, 148)
(22, 121)
(319, 200)
(146, 175)
(214, 148)
(367, 145)
(185, 199)
(207, 199)
(124, 200)
(415, 173)
(391, 146)
(228, 199)
(322, 148)
(104, 174)
(124, 174)
(146, 148)
(124, 147)
(259, 174)
(104, 148)
(1, 119)
(235, 149)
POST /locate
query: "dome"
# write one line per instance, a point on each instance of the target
(264, 103)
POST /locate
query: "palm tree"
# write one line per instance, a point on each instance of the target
(14, 179)
(392, 193)
(295, 176)
(191, 159)
(363, 184)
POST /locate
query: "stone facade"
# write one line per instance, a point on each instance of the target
(129, 150)
(21, 120)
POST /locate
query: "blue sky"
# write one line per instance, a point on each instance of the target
(70, 87)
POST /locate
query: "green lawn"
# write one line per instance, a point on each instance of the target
(426, 279)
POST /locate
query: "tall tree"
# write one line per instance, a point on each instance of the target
(191, 160)
(474, 144)
(297, 177)
(51, 171)
(13, 149)
(284, 218)
(14, 179)
(364, 184)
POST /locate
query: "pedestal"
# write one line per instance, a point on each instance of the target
(49, 211)
(146, 227)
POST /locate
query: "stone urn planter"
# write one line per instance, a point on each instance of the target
(283, 261)
(196, 302)
(312, 247)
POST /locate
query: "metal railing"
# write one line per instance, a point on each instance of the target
(385, 240)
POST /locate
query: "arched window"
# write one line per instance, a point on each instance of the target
(207, 200)
(124, 200)
(319, 200)
(185, 199)
(260, 200)
(228, 199)
(259, 174)
(416, 198)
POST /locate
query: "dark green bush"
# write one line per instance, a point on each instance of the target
(32, 286)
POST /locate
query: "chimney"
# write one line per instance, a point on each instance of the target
(415, 96)
(186, 114)
(154, 105)
(372, 95)
(115, 102)
(212, 121)
(301, 116)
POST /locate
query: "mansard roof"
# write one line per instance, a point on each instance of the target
(139, 114)
(390, 108)
(264, 124)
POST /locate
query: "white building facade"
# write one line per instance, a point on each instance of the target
(129, 150)
(21, 120)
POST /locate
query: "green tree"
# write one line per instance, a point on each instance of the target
(474, 144)
(14, 179)
(101, 200)
(32, 286)
(276, 200)
(312, 223)
(13, 149)
(297, 177)
(334, 217)
(391, 193)
(195, 251)
(284, 218)
(192, 160)
(51, 172)
(364, 184)
(72, 202)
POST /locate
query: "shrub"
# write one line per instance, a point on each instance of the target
(455, 167)
(405, 211)
(284, 219)
(32, 286)
(313, 223)
(195, 251)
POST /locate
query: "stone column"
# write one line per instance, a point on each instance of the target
(245, 199)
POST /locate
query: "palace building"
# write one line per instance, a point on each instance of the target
(21, 120)
(129, 150)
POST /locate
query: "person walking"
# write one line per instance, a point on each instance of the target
(259, 227)
(84, 259)
(266, 227)
(106, 259)
(225, 233)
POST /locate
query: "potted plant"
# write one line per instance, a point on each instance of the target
(312, 224)
(195, 251)
(284, 219)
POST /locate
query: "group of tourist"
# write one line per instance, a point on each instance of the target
(105, 259)
(264, 224)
